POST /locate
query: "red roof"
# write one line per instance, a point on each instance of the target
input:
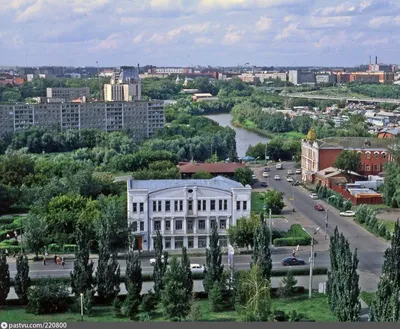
(212, 168)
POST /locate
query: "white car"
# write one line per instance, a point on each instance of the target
(348, 213)
(313, 196)
(254, 176)
(277, 177)
(196, 268)
(265, 174)
(290, 172)
(298, 171)
(153, 261)
(290, 179)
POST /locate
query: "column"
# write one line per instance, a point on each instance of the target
(172, 227)
(184, 226)
(217, 222)
(185, 242)
(172, 242)
(151, 228)
(163, 225)
(208, 241)
(208, 225)
(195, 242)
(194, 225)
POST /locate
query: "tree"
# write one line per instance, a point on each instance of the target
(174, 298)
(187, 273)
(4, 278)
(274, 200)
(82, 275)
(202, 175)
(386, 305)
(35, 232)
(288, 284)
(255, 296)
(348, 161)
(22, 279)
(15, 169)
(132, 302)
(160, 265)
(133, 284)
(262, 252)
(244, 176)
(343, 287)
(214, 269)
(242, 233)
(257, 151)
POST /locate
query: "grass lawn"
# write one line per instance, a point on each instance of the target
(367, 297)
(257, 203)
(316, 308)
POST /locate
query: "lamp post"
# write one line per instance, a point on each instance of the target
(269, 224)
(231, 253)
(82, 307)
(311, 260)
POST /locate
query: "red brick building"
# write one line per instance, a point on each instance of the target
(187, 169)
(388, 133)
(320, 154)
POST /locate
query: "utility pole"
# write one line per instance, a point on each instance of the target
(270, 227)
(311, 260)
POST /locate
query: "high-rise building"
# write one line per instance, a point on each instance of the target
(298, 77)
(60, 95)
(125, 85)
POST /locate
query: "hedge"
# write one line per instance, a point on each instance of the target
(6, 220)
(10, 248)
(292, 241)
(197, 276)
(55, 248)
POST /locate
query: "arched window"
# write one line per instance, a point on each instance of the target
(383, 155)
(376, 155)
(368, 155)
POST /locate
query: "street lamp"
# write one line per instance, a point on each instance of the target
(82, 307)
(269, 224)
(231, 253)
(311, 259)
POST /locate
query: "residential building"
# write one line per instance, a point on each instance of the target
(298, 77)
(187, 169)
(203, 97)
(388, 133)
(142, 118)
(185, 211)
(272, 76)
(320, 154)
(381, 77)
(59, 95)
(125, 85)
(249, 78)
(323, 78)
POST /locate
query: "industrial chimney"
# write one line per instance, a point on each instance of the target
(376, 60)
(370, 60)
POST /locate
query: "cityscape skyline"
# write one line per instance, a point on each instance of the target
(198, 32)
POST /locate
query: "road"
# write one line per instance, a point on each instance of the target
(370, 248)
(37, 269)
(350, 99)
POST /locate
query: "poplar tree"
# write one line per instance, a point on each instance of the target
(261, 251)
(133, 284)
(160, 265)
(4, 278)
(386, 306)
(187, 273)
(22, 279)
(214, 268)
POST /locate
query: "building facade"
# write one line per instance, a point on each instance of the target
(321, 154)
(185, 211)
(142, 118)
(298, 77)
(68, 94)
(125, 86)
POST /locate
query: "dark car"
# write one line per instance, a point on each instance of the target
(264, 184)
(319, 207)
(292, 261)
(266, 169)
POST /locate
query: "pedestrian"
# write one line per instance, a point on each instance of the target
(55, 259)
(58, 260)
(44, 260)
(63, 262)
(294, 252)
(6, 251)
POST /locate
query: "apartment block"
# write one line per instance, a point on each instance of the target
(298, 77)
(125, 85)
(142, 118)
(185, 210)
(67, 94)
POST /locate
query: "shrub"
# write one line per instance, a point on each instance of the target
(53, 247)
(69, 248)
(149, 302)
(292, 241)
(6, 220)
(195, 313)
(48, 297)
(117, 305)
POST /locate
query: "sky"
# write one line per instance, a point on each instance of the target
(199, 32)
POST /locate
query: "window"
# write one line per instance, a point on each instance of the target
(368, 155)
(180, 205)
(212, 207)
(202, 241)
(190, 205)
(134, 207)
(178, 242)
(383, 155)
(202, 224)
(167, 225)
(244, 205)
(237, 205)
(157, 225)
(376, 154)
(204, 205)
(141, 207)
(367, 168)
(175, 205)
(212, 223)
(220, 205)
(223, 242)
(178, 225)
(167, 205)
(159, 206)
(190, 242)
(134, 226)
(198, 205)
(142, 226)
(376, 168)
(154, 205)
(225, 204)
(222, 224)
(167, 243)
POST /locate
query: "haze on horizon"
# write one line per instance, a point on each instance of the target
(198, 32)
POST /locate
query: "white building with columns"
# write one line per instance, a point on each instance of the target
(185, 210)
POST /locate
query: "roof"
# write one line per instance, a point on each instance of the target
(219, 182)
(363, 192)
(394, 132)
(355, 143)
(213, 168)
(203, 95)
(332, 171)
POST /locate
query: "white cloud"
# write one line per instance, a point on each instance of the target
(203, 41)
(378, 21)
(338, 40)
(173, 34)
(31, 12)
(207, 5)
(111, 42)
(264, 24)
(231, 38)
(165, 4)
(138, 39)
(289, 31)
(328, 22)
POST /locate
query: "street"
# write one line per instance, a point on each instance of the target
(37, 269)
(370, 249)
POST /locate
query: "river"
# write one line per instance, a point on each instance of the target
(244, 138)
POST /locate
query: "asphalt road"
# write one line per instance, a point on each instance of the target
(338, 98)
(370, 249)
(37, 269)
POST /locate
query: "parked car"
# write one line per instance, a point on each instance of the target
(196, 268)
(313, 196)
(254, 176)
(319, 207)
(153, 260)
(290, 179)
(265, 174)
(348, 213)
(290, 172)
(296, 183)
(266, 169)
(292, 261)
(279, 166)
(264, 184)
(298, 171)
(277, 177)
